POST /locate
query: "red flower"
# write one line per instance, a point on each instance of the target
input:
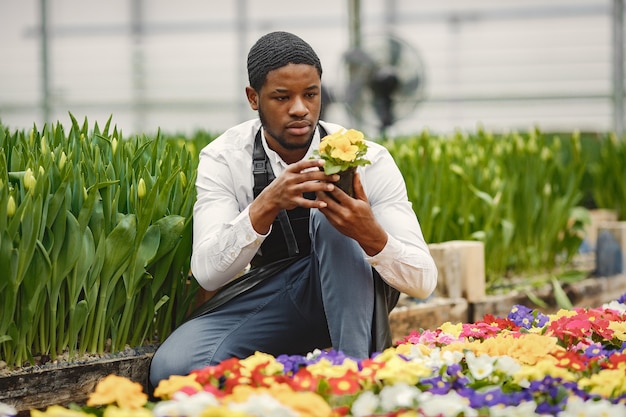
(502, 323)
(615, 360)
(479, 330)
(303, 380)
(572, 361)
(346, 384)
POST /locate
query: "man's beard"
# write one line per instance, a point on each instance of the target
(281, 139)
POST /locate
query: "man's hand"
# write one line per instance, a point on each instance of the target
(286, 192)
(354, 217)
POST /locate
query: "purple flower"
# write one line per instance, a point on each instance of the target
(622, 299)
(527, 317)
(435, 385)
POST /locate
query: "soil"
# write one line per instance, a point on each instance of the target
(43, 362)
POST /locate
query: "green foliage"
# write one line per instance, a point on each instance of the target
(95, 234)
(95, 229)
(517, 193)
(608, 174)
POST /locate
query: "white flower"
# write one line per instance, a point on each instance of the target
(577, 407)
(614, 305)
(480, 367)
(524, 409)
(448, 405)
(186, 405)
(400, 395)
(7, 410)
(507, 365)
(365, 405)
(263, 405)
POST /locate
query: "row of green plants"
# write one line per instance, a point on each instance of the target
(95, 228)
(95, 240)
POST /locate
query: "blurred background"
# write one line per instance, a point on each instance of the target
(390, 66)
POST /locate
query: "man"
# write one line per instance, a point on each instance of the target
(326, 268)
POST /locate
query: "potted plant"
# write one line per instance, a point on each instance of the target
(343, 151)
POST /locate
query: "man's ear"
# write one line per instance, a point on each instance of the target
(253, 98)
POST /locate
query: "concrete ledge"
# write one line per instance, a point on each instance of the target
(427, 315)
(71, 383)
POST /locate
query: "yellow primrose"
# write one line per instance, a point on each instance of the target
(397, 369)
(58, 411)
(528, 349)
(222, 412)
(619, 330)
(305, 403)
(112, 411)
(409, 349)
(118, 390)
(562, 313)
(269, 363)
(452, 329)
(341, 148)
(541, 369)
(326, 368)
(355, 136)
(607, 383)
(167, 387)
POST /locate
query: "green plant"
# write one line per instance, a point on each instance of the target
(95, 237)
(515, 192)
(609, 175)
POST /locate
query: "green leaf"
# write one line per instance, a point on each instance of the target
(119, 248)
(562, 300)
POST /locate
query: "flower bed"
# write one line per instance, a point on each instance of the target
(572, 363)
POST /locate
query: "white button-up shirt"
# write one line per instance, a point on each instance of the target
(224, 240)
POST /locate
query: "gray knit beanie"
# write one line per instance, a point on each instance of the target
(275, 50)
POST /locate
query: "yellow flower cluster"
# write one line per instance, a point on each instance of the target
(529, 349)
(343, 150)
(342, 144)
(118, 390)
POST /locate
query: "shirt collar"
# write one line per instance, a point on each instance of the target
(278, 165)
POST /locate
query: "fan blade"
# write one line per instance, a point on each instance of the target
(395, 51)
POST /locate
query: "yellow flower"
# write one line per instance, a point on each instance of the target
(541, 369)
(343, 150)
(619, 329)
(397, 369)
(452, 329)
(562, 313)
(167, 387)
(116, 389)
(58, 411)
(528, 349)
(113, 411)
(325, 368)
(270, 365)
(222, 411)
(305, 403)
(607, 383)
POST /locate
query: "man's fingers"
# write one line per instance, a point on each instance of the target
(359, 192)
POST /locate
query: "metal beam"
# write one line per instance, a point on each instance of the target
(45, 61)
(618, 67)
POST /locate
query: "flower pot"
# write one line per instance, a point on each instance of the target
(346, 181)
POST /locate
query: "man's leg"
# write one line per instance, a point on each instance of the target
(347, 287)
(268, 318)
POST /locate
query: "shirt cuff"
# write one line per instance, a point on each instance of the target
(392, 251)
(246, 232)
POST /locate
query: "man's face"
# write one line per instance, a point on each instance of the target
(289, 106)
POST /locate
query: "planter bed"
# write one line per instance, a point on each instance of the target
(39, 387)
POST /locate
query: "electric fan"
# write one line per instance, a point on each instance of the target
(383, 81)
